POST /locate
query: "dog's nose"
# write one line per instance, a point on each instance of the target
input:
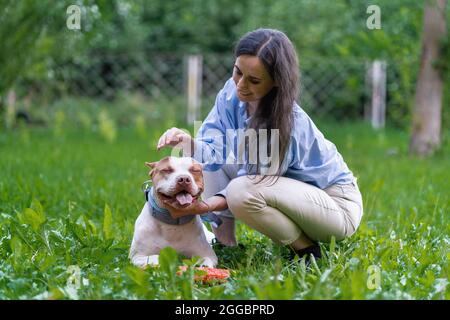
(184, 180)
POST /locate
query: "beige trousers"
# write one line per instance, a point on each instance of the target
(289, 208)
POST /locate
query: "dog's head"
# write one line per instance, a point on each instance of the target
(177, 180)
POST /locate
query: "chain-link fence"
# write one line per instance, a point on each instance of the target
(329, 87)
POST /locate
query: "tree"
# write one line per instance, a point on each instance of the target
(20, 29)
(426, 122)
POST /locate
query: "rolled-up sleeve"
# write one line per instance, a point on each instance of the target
(222, 193)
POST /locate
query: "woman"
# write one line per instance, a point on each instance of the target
(312, 195)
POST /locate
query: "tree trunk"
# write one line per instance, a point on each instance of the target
(426, 118)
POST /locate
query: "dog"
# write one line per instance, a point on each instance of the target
(180, 180)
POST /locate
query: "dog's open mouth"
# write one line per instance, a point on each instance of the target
(182, 198)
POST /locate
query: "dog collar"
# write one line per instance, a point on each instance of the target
(163, 214)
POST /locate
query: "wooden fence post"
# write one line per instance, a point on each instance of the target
(376, 111)
(10, 114)
(368, 92)
(194, 87)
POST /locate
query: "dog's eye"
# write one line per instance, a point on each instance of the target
(168, 170)
(196, 170)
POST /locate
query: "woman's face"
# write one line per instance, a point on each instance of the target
(252, 80)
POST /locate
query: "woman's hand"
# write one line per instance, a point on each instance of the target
(176, 137)
(198, 207)
(214, 203)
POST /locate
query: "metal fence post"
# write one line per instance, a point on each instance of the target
(194, 87)
(377, 82)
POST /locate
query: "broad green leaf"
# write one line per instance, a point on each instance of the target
(137, 275)
(78, 232)
(167, 260)
(186, 290)
(37, 206)
(16, 245)
(32, 218)
(332, 245)
(17, 251)
(107, 223)
(90, 227)
(44, 261)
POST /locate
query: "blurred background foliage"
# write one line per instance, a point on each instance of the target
(36, 41)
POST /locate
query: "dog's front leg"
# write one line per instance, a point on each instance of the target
(140, 253)
(142, 261)
(143, 251)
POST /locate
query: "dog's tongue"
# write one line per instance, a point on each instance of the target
(184, 198)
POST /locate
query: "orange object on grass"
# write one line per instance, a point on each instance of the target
(211, 274)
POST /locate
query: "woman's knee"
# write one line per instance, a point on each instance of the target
(241, 196)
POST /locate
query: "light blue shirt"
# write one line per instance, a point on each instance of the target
(310, 158)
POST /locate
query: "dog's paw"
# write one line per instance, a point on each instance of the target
(140, 261)
(153, 260)
(208, 262)
(143, 261)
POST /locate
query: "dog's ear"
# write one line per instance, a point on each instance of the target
(201, 165)
(151, 165)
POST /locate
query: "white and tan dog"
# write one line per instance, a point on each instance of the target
(180, 180)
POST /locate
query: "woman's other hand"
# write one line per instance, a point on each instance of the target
(176, 137)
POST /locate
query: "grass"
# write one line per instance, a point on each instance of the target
(69, 199)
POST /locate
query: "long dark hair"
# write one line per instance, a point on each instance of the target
(279, 57)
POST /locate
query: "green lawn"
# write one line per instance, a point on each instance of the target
(69, 199)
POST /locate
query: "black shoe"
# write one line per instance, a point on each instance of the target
(313, 250)
(216, 244)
